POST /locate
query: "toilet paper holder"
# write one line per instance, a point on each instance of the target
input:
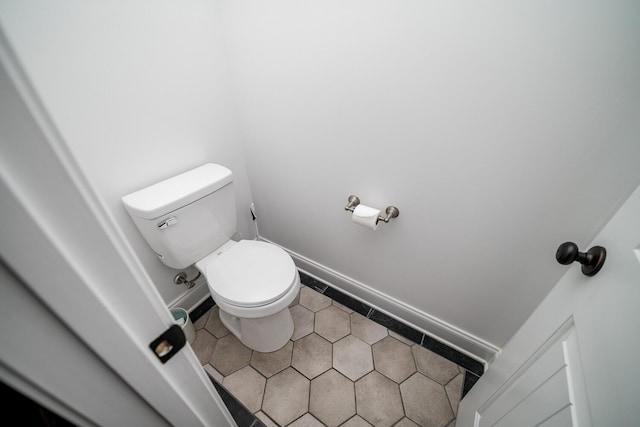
(391, 211)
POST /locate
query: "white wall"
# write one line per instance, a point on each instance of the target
(499, 129)
(140, 92)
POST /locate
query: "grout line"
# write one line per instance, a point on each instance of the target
(264, 390)
(404, 411)
(455, 414)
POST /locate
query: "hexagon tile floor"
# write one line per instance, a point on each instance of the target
(340, 368)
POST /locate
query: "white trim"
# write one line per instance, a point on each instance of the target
(560, 333)
(450, 335)
(567, 356)
(195, 296)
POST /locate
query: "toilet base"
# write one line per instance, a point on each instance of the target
(263, 334)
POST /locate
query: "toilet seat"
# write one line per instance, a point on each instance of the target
(250, 274)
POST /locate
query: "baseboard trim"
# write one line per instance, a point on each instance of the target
(193, 297)
(450, 335)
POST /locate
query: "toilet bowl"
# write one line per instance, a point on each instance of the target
(253, 283)
(189, 219)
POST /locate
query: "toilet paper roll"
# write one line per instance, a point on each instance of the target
(366, 216)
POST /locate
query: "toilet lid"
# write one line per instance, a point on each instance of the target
(251, 274)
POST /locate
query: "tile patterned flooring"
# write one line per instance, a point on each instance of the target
(340, 368)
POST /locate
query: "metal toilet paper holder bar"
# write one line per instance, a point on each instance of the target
(392, 211)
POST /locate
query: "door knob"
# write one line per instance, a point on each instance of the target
(592, 260)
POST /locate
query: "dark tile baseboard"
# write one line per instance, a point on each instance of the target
(200, 310)
(240, 414)
(469, 381)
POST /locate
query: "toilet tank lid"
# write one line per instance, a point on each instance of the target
(173, 193)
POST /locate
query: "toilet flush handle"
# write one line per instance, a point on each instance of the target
(168, 222)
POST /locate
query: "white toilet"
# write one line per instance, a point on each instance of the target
(189, 220)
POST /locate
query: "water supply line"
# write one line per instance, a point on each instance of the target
(254, 218)
(181, 279)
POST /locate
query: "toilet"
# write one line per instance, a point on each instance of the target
(189, 219)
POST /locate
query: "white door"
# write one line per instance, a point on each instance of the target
(79, 311)
(575, 361)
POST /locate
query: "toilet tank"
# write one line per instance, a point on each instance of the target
(186, 217)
